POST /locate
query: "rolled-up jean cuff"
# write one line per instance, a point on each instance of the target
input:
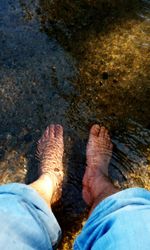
(24, 200)
(120, 221)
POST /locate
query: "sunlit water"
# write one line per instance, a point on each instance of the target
(75, 64)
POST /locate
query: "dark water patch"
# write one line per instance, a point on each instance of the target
(27, 59)
(73, 22)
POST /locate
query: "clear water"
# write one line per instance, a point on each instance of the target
(74, 63)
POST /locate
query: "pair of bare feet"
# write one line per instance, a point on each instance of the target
(96, 184)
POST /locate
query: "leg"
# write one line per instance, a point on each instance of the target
(22, 207)
(116, 222)
(96, 184)
(50, 154)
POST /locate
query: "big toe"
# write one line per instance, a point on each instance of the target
(95, 130)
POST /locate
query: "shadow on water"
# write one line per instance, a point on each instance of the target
(73, 22)
(73, 63)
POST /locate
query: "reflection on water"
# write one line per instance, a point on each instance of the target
(75, 63)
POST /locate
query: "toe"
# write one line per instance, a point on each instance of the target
(51, 130)
(95, 130)
(58, 131)
(46, 133)
(102, 131)
(110, 146)
(106, 133)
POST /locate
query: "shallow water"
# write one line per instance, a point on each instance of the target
(75, 63)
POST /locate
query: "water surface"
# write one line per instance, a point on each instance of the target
(75, 63)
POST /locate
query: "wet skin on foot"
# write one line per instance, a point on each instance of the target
(98, 154)
(50, 150)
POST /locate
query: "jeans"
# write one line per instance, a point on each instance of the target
(26, 221)
(120, 222)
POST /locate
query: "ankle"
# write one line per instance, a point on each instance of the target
(45, 187)
(105, 189)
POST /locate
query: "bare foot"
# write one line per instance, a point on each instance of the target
(50, 150)
(98, 153)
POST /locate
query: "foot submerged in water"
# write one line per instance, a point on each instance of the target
(50, 150)
(98, 154)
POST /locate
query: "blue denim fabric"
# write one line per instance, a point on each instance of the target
(25, 219)
(120, 222)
